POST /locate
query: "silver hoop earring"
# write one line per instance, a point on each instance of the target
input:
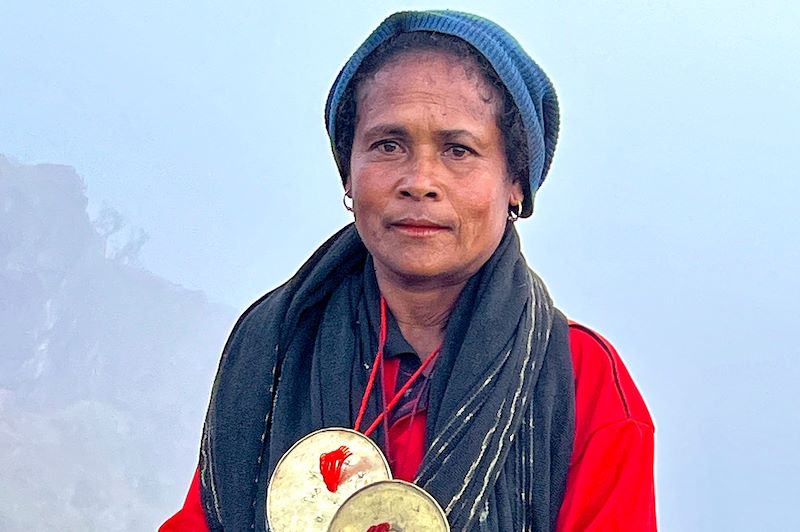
(344, 202)
(514, 216)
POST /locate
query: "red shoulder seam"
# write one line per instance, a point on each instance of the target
(611, 359)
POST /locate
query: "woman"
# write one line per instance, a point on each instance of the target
(442, 129)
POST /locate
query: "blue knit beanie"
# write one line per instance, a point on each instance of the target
(528, 85)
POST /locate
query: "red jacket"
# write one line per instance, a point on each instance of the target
(610, 484)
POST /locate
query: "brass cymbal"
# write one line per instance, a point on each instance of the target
(298, 497)
(390, 506)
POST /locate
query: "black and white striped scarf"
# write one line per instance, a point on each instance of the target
(500, 419)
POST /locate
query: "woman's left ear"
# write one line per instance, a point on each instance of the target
(515, 202)
(517, 196)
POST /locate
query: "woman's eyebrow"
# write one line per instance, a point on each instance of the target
(390, 130)
(452, 135)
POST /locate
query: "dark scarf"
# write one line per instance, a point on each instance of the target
(501, 409)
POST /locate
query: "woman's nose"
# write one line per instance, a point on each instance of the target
(422, 179)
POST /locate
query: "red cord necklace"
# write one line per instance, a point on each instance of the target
(330, 464)
(372, 377)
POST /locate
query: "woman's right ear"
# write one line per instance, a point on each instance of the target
(347, 195)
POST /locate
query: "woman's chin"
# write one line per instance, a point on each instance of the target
(422, 273)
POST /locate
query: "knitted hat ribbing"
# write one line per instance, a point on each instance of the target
(528, 85)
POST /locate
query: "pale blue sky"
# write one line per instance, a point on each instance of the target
(668, 221)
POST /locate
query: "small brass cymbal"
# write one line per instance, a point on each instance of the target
(390, 506)
(298, 497)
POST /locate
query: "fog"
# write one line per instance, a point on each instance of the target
(105, 367)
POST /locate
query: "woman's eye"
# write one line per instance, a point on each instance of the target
(459, 152)
(388, 146)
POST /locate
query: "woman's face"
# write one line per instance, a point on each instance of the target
(428, 170)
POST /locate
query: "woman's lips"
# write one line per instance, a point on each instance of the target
(418, 227)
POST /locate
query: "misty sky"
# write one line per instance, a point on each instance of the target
(668, 221)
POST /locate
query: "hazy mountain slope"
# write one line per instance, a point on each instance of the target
(105, 368)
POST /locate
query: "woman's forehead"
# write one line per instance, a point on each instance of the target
(428, 78)
(440, 60)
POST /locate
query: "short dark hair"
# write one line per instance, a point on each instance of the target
(509, 119)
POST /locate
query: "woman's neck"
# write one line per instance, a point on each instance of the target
(421, 313)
